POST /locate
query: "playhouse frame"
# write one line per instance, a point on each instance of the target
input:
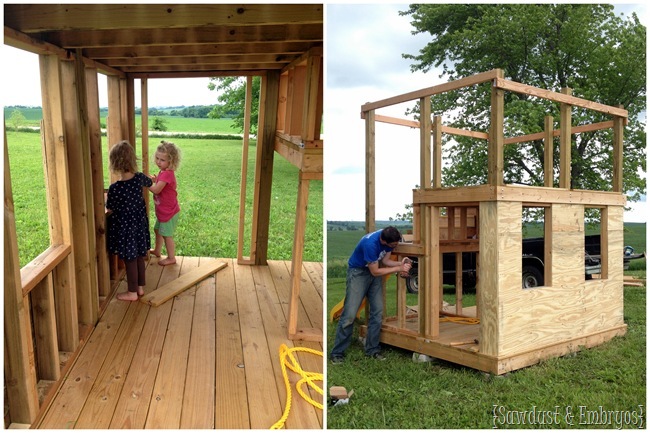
(516, 327)
(60, 295)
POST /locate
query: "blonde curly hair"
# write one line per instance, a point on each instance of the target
(122, 159)
(172, 151)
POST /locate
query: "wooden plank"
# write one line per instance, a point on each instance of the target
(231, 402)
(44, 319)
(100, 404)
(264, 403)
(430, 91)
(35, 271)
(297, 253)
(199, 393)
(425, 142)
(617, 154)
(495, 142)
(548, 151)
(565, 142)
(562, 97)
(312, 106)
(167, 397)
(309, 362)
(244, 171)
(66, 407)
(133, 404)
(171, 289)
(301, 415)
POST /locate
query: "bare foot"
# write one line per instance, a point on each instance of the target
(140, 291)
(154, 253)
(167, 261)
(127, 296)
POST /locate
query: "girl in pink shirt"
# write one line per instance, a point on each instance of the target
(168, 158)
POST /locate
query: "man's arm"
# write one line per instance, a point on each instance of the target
(390, 267)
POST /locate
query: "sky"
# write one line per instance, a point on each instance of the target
(364, 44)
(364, 47)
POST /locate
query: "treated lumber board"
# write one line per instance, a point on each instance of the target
(34, 272)
(280, 272)
(66, 407)
(133, 405)
(264, 404)
(167, 397)
(199, 394)
(301, 415)
(103, 398)
(231, 405)
(185, 281)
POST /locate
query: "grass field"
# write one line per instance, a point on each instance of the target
(401, 394)
(209, 185)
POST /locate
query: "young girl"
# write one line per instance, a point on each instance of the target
(128, 230)
(168, 158)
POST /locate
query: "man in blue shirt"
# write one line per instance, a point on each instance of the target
(369, 262)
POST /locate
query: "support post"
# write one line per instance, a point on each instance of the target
(565, 142)
(370, 171)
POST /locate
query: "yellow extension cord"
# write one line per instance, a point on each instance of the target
(307, 377)
(461, 320)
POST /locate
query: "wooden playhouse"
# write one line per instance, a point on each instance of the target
(509, 327)
(75, 357)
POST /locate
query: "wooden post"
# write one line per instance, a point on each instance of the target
(114, 119)
(264, 164)
(565, 142)
(437, 153)
(130, 108)
(425, 142)
(313, 99)
(495, 143)
(97, 174)
(617, 154)
(370, 171)
(19, 371)
(75, 119)
(548, 151)
(144, 127)
(244, 176)
(59, 200)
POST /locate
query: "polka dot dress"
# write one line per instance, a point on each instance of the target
(128, 225)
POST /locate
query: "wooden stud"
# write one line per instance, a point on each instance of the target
(565, 143)
(548, 151)
(495, 145)
(370, 172)
(144, 128)
(244, 176)
(44, 318)
(425, 142)
(114, 119)
(264, 165)
(20, 374)
(437, 153)
(617, 155)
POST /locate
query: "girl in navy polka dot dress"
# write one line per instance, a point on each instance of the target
(128, 229)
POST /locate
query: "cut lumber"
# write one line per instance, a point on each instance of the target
(185, 281)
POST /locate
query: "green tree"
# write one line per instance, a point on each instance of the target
(159, 124)
(585, 47)
(17, 119)
(232, 97)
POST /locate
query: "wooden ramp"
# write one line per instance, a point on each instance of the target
(207, 358)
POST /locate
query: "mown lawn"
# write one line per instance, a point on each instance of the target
(209, 185)
(399, 393)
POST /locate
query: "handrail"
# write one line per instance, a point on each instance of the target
(33, 273)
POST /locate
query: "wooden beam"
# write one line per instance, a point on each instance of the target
(617, 155)
(182, 283)
(562, 97)
(370, 172)
(114, 119)
(425, 142)
(19, 371)
(430, 91)
(35, 271)
(437, 154)
(264, 164)
(495, 145)
(244, 176)
(313, 98)
(59, 199)
(548, 151)
(44, 318)
(565, 143)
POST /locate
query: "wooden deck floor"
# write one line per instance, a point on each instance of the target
(208, 358)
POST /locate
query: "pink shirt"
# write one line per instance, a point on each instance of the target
(166, 200)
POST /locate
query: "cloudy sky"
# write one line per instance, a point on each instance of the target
(364, 44)
(364, 47)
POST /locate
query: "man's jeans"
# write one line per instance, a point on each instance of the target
(360, 284)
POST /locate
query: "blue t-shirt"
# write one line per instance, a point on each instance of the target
(368, 250)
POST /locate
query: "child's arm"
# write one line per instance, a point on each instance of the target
(157, 187)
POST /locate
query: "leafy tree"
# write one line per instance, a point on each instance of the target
(585, 47)
(233, 98)
(17, 119)
(159, 124)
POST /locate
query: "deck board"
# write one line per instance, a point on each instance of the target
(207, 358)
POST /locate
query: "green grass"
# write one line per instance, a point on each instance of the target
(208, 191)
(401, 394)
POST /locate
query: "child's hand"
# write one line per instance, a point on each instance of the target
(154, 178)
